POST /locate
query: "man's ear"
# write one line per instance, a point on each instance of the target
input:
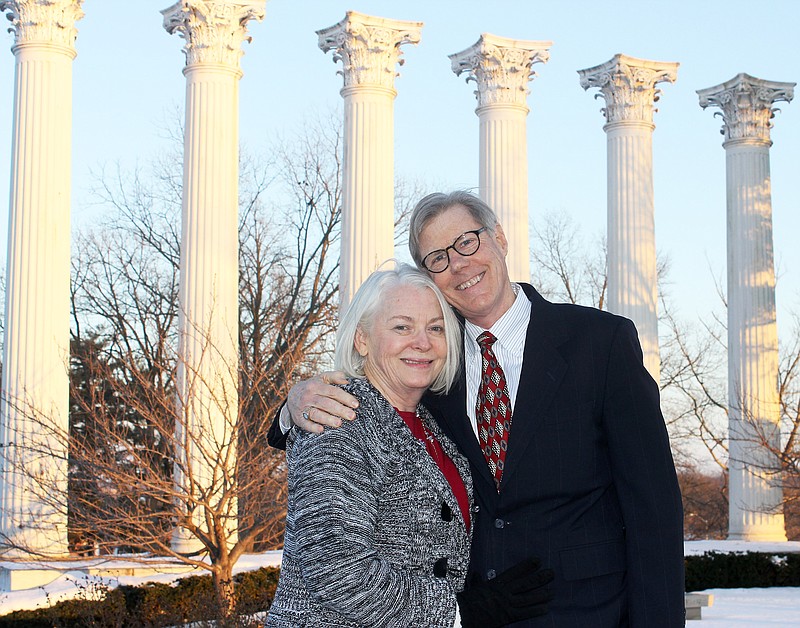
(360, 341)
(500, 238)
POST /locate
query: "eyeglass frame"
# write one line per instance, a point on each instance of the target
(477, 233)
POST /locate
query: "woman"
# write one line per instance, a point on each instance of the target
(378, 521)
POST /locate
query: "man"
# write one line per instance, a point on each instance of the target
(584, 478)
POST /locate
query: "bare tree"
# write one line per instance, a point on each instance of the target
(705, 503)
(565, 266)
(123, 448)
(694, 368)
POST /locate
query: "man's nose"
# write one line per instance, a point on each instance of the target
(457, 261)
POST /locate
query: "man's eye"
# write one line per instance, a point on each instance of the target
(438, 258)
(466, 243)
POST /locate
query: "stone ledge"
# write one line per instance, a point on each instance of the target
(695, 602)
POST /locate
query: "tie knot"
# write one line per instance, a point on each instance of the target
(486, 339)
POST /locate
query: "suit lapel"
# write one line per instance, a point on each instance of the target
(543, 368)
(542, 371)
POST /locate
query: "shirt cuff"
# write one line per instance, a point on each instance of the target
(457, 623)
(285, 420)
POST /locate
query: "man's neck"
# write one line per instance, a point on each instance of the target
(488, 322)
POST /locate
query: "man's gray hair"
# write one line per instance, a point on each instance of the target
(366, 303)
(434, 204)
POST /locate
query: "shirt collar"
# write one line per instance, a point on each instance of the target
(509, 328)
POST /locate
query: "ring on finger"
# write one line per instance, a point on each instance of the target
(306, 414)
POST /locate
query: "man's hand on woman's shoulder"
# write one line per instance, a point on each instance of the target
(318, 402)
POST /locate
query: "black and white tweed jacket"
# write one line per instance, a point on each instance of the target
(374, 535)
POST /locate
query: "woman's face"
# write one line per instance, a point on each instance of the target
(405, 346)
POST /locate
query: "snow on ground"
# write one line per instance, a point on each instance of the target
(732, 608)
(78, 584)
(696, 548)
(752, 608)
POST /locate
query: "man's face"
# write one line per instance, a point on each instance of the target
(478, 285)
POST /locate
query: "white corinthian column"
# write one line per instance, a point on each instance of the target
(755, 494)
(369, 49)
(501, 69)
(207, 375)
(35, 394)
(628, 87)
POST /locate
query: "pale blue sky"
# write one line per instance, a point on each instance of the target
(128, 81)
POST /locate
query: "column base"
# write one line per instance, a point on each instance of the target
(18, 576)
(765, 536)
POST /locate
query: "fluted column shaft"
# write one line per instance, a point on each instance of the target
(369, 49)
(367, 237)
(35, 388)
(755, 492)
(631, 233)
(207, 372)
(501, 70)
(628, 86)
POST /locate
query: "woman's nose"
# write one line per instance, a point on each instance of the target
(421, 340)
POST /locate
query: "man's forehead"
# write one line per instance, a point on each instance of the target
(451, 221)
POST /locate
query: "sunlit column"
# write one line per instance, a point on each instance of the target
(755, 493)
(628, 86)
(207, 378)
(369, 49)
(501, 70)
(35, 389)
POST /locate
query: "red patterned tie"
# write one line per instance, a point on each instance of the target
(493, 409)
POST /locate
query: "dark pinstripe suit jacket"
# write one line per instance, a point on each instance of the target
(589, 485)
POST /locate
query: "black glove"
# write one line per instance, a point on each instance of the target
(518, 593)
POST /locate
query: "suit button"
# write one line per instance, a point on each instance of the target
(447, 514)
(476, 508)
(491, 574)
(440, 568)
(499, 523)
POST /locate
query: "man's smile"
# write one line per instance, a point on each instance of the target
(468, 284)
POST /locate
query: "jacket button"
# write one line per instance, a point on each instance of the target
(440, 568)
(491, 574)
(499, 523)
(476, 508)
(447, 514)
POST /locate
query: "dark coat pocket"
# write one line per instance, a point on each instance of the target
(590, 561)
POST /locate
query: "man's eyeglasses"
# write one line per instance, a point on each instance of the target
(466, 244)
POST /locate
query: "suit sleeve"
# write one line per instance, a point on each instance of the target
(337, 479)
(275, 436)
(647, 486)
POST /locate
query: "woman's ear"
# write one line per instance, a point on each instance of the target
(360, 342)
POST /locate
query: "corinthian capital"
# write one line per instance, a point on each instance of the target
(628, 86)
(500, 67)
(368, 47)
(746, 104)
(43, 21)
(214, 30)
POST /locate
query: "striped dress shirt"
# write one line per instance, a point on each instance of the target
(510, 330)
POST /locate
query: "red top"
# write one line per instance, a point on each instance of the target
(442, 460)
